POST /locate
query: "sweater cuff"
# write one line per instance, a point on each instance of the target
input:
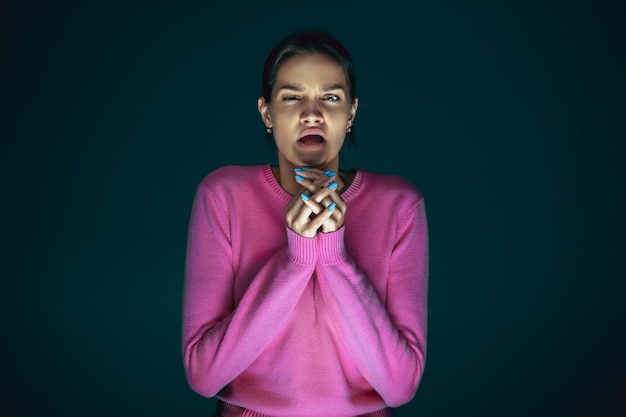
(331, 247)
(301, 250)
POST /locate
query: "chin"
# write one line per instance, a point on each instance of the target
(314, 163)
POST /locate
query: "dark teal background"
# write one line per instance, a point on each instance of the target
(508, 115)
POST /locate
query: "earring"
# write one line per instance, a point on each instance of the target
(349, 129)
(268, 130)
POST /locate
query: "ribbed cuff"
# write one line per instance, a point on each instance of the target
(301, 250)
(225, 409)
(331, 247)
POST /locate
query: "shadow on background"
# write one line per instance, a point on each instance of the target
(510, 118)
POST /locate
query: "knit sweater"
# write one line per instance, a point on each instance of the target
(284, 325)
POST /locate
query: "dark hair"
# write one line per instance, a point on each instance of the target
(317, 41)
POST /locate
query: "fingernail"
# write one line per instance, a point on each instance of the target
(299, 178)
(305, 197)
(301, 169)
(330, 173)
(332, 185)
(331, 206)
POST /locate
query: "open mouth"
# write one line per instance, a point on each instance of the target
(311, 140)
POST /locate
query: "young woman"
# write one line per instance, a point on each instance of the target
(306, 285)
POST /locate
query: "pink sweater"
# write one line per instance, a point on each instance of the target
(284, 325)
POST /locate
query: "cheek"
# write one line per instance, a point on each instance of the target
(339, 120)
(283, 117)
(340, 113)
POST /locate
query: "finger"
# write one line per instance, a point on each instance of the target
(322, 178)
(314, 187)
(322, 196)
(339, 212)
(304, 215)
(315, 207)
(336, 198)
(309, 172)
(323, 217)
(336, 218)
(312, 174)
(326, 178)
(309, 185)
(330, 226)
(293, 208)
(299, 221)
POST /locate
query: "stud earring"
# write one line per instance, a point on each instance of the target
(349, 129)
(268, 130)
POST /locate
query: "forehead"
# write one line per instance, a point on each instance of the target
(311, 68)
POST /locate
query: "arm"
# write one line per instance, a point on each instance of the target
(387, 342)
(220, 339)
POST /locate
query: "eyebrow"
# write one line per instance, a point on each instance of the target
(333, 87)
(299, 88)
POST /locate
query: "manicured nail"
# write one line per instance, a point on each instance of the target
(332, 185)
(330, 174)
(305, 197)
(299, 178)
(301, 169)
(331, 206)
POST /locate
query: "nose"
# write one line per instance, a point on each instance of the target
(311, 114)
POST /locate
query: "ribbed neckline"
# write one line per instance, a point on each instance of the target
(347, 195)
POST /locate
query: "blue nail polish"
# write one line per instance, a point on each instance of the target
(301, 169)
(331, 206)
(332, 185)
(305, 197)
(299, 178)
(330, 174)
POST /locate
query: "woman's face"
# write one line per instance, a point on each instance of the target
(309, 111)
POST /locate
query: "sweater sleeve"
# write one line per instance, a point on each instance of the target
(386, 342)
(220, 339)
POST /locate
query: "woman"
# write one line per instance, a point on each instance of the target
(306, 285)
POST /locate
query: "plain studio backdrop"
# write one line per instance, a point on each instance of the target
(509, 116)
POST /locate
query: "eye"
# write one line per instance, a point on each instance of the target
(331, 97)
(290, 98)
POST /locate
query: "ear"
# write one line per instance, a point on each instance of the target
(263, 107)
(353, 107)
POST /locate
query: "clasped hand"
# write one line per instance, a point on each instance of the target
(318, 207)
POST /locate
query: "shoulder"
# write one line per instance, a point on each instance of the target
(387, 201)
(229, 184)
(393, 188)
(229, 176)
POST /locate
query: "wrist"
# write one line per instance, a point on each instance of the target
(301, 250)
